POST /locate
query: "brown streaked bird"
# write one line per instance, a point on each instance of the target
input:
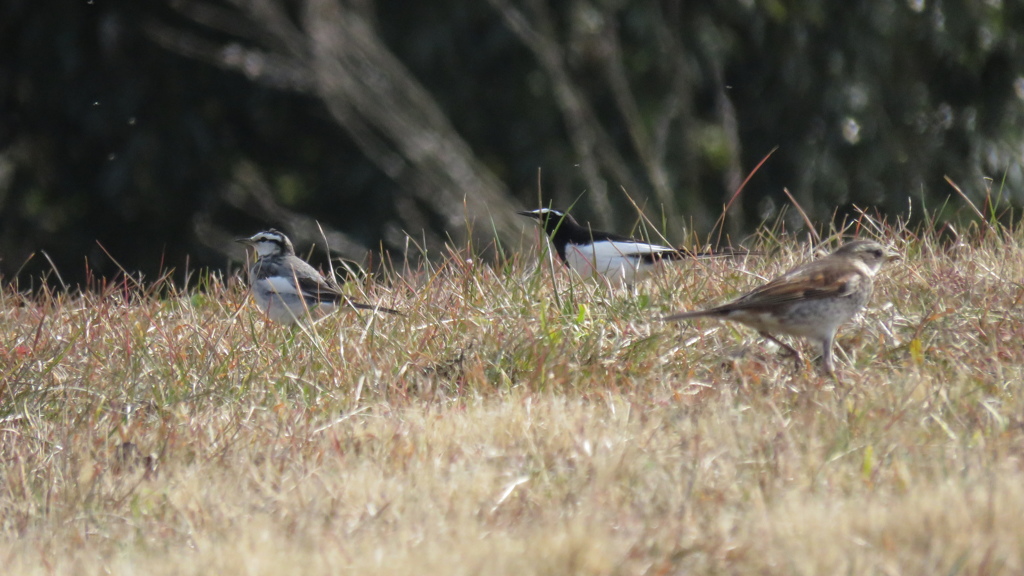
(286, 287)
(810, 301)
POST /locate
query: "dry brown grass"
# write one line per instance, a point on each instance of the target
(506, 427)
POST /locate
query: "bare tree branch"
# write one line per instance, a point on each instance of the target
(642, 142)
(359, 78)
(678, 104)
(593, 146)
(251, 193)
(335, 54)
(259, 66)
(219, 18)
(730, 128)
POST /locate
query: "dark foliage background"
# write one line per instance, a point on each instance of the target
(160, 129)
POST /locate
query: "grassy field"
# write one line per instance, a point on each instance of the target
(517, 421)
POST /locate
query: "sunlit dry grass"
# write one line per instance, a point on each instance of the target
(518, 423)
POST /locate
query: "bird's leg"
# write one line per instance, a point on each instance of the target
(826, 356)
(789, 349)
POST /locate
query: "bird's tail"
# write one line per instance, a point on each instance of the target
(687, 315)
(360, 306)
(724, 252)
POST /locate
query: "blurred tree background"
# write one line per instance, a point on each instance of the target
(158, 130)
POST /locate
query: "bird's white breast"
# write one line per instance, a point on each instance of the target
(282, 285)
(281, 299)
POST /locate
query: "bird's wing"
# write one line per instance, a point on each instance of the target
(822, 279)
(296, 277)
(306, 281)
(598, 236)
(637, 248)
(631, 247)
(314, 286)
(321, 291)
(626, 247)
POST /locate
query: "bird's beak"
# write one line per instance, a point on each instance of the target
(527, 214)
(244, 241)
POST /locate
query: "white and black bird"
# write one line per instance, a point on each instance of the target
(619, 259)
(286, 287)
